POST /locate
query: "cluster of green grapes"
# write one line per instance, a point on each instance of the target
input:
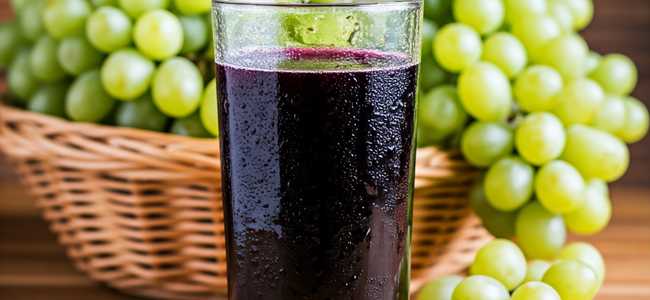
(514, 86)
(501, 268)
(133, 63)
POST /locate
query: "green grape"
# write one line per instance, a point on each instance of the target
(537, 87)
(31, 22)
(63, 18)
(440, 110)
(535, 32)
(126, 74)
(479, 287)
(19, 5)
(636, 121)
(559, 187)
(617, 74)
(49, 100)
(593, 61)
(109, 29)
(561, 13)
(457, 47)
(141, 113)
(540, 138)
(595, 213)
(76, 55)
(437, 10)
(502, 260)
(431, 74)
(190, 126)
(100, 3)
(439, 289)
(572, 280)
(582, 11)
(87, 101)
(586, 254)
(209, 108)
(136, 8)
(158, 34)
(323, 29)
(610, 116)
(499, 223)
(579, 102)
(44, 61)
(10, 40)
(535, 291)
(509, 184)
(485, 16)
(429, 30)
(567, 54)
(595, 153)
(485, 92)
(536, 270)
(193, 7)
(506, 52)
(484, 143)
(540, 234)
(177, 87)
(517, 10)
(20, 79)
(195, 33)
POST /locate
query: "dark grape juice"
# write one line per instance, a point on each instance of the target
(317, 149)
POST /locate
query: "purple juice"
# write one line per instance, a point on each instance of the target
(317, 150)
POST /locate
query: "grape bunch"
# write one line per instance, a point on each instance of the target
(130, 63)
(513, 85)
(501, 272)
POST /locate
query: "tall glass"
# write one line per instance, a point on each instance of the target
(317, 109)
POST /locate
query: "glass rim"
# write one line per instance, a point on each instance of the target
(275, 3)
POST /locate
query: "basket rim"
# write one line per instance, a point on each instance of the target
(9, 112)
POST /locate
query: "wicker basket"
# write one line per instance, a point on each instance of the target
(141, 211)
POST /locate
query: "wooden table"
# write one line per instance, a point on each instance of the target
(34, 267)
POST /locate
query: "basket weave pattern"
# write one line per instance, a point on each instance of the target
(141, 211)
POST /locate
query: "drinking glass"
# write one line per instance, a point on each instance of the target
(317, 117)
